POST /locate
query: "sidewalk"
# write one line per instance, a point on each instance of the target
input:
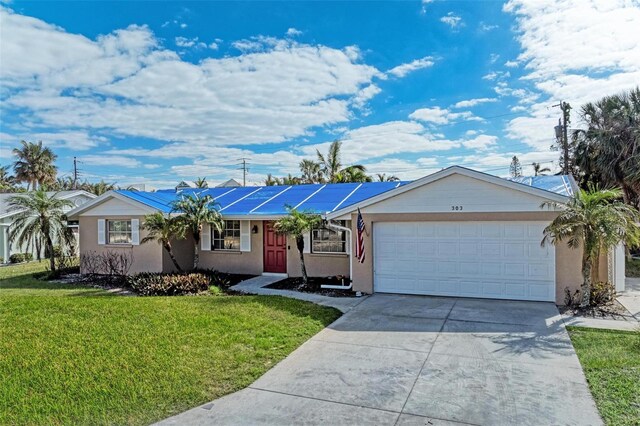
(630, 298)
(256, 286)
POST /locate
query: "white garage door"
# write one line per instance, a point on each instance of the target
(500, 260)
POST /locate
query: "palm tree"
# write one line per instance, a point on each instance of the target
(40, 218)
(98, 188)
(7, 181)
(594, 220)
(34, 164)
(311, 172)
(352, 174)
(382, 177)
(163, 229)
(271, 180)
(611, 142)
(332, 170)
(296, 225)
(538, 170)
(201, 183)
(195, 212)
(330, 165)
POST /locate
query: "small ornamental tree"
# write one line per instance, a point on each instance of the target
(195, 211)
(596, 221)
(296, 225)
(515, 169)
(163, 229)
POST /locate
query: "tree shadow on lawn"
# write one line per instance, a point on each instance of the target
(300, 308)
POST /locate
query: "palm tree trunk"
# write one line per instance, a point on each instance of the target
(52, 258)
(169, 250)
(303, 267)
(196, 257)
(586, 277)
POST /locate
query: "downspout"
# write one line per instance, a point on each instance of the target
(329, 224)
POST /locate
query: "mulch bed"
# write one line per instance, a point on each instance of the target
(313, 286)
(611, 311)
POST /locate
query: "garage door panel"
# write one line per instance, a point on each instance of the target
(473, 259)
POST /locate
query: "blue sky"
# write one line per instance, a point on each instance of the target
(162, 91)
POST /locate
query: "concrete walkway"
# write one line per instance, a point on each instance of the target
(630, 298)
(256, 286)
(412, 360)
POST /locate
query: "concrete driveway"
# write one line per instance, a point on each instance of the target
(413, 360)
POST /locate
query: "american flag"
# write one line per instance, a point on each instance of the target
(360, 244)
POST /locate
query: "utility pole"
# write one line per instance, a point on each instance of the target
(75, 173)
(562, 134)
(244, 170)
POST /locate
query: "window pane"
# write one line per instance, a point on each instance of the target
(119, 231)
(327, 240)
(228, 238)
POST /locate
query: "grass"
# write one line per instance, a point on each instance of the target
(633, 268)
(611, 362)
(73, 355)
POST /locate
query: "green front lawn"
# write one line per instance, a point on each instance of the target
(76, 355)
(611, 362)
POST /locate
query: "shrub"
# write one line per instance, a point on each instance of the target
(155, 284)
(214, 290)
(28, 257)
(602, 293)
(16, 258)
(113, 263)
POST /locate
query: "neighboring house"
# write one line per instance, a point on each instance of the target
(457, 232)
(231, 183)
(7, 216)
(185, 184)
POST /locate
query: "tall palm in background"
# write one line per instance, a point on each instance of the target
(382, 177)
(7, 180)
(595, 221)
(201, 182)
(163, 229)
(538, 170)
(608, 150)
(34, 164)
(332, 170)
(311, 172)
(355, 173)
(40, 218)
(195, 211)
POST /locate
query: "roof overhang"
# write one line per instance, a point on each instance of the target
(75, 213)
(62, 197)
(551, 196)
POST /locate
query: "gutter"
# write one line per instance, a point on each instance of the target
(337, 227)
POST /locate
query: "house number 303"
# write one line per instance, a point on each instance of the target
(456, 208)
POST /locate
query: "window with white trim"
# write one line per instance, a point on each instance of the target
(228, 238)
(329, 240)
(119, 231)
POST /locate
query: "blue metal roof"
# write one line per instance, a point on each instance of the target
(316, 198)
(271, 200)
(559, 184)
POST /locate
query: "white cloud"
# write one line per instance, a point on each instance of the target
(423, 9)
(452, 20)
(511, 64)
(493, 58)
(404, 169)
(404, 69)
(603, 58)
(74, 140)
(109, 160)
(293, 32)
(484, 27)
(473, 102)
(128, 83)
(481, 142)
(437, 115)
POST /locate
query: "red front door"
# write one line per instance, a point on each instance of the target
(275, 250)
